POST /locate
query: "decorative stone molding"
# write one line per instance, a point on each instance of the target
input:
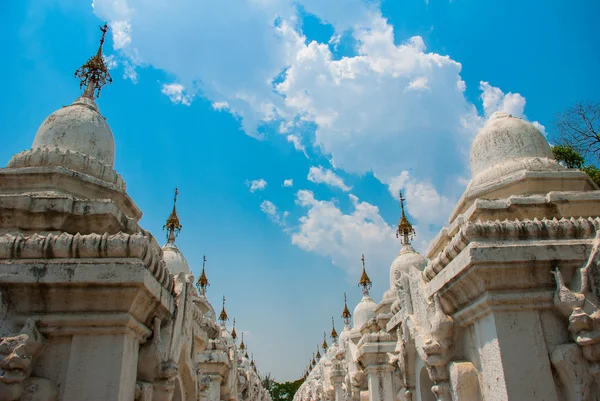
(511, 230)
(88, 246)
(71, 160)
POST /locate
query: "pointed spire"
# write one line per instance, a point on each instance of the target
(202, 282)
(365, 281)
(334, 334)
(233, 333)
(318, 353)
(93, 75)
(324, 345)
(242, 345)
(313, 362)
(223, 316)
(252, 361)
(405, 230)
(346, 315)
(173, 226)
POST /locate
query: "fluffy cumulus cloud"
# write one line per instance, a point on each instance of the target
(391, 108)
(321, 175)
(256, 185)
(288, 183)
(494, 99)
(328, 231)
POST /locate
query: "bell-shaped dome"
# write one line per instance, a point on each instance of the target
(174, 259)
(364, 311)
(507, 144)
(78, 128)
(404, 262)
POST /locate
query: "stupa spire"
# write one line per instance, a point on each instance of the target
(334, 334)
(242, 345)
(324, 345)
(202, 282)
(405, 230)
(223, 316)
(233, 333)
(346, 315)
(173, 226)
(365, 282)
(318, 353)
(93, 75)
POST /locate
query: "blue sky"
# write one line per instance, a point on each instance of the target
(352, 101)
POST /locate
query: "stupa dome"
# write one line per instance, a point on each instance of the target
(78, 128)
(407, 258)
(364, 311)
(506, 144)
(174, 259)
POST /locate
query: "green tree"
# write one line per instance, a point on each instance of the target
(568, 155)
(573, 159)
(593, 172)
(284, 391)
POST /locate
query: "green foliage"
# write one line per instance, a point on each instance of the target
(568, 155)
(284, 391)
(573, 159)
(593, 172)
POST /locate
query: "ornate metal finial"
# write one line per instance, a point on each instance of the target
(94, 73)
(173, 226)
(405, 229)
(318, 353)
(324, 345)
(252, 361)
(202, 282)
(233, 333)
(242, 345)
(334, 334)
(223, 316)
(313, 362)
(365, 281)
(346, 315)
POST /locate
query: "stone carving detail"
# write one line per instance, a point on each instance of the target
(16, 360)
(511, 229)
(44, 157)
(79, 246)
(580, 308)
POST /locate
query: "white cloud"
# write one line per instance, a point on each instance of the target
(320, 175)
(176, 93)
(328, 231)
(220, 105)
(388, 109)
(494, 99)
(288, 183)
(271, 210)
(110, 61)
(257, 185)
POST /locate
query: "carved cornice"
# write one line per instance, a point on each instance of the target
(511, 230)
(90, 246)
(71, 160)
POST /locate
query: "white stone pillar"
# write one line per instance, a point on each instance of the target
(380, 383)
(514, 359)
(214, 390)
(102, 367)
(338, 375)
